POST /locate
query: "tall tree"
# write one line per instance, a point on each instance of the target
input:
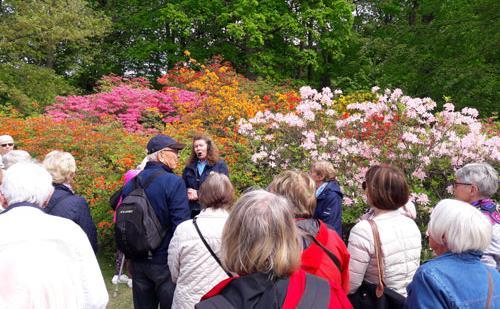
(275, 39)
(48, 40)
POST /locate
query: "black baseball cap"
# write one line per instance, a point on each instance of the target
(161, 141)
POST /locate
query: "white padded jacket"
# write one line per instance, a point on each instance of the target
(401, 246)
(193, 268)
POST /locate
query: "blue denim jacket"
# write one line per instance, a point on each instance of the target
(453, 281)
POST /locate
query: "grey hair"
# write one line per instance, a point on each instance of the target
(15, 156)
(152, 157)
(483, 175)
(459, 226)
(260, 236)
(27, 182)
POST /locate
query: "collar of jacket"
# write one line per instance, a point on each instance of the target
(193, 165)
(470, 255)
(158, 165)
(21, 204)
(60, 186)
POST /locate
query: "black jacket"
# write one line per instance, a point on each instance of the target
(193, 179)
(64, 203)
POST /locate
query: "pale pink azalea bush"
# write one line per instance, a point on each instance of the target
(138, 109)
(398, 129)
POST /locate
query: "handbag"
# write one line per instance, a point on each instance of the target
(370, 295)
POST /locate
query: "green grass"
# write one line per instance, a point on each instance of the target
(123, 299)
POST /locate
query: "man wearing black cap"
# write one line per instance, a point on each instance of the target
(167, 195)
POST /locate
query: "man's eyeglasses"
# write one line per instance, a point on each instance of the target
(7, 144)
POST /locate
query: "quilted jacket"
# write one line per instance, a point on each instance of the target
(192, 267)
(401, 245)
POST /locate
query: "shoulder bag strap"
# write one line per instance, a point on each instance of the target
(490, 290)
(328, 252)
(208, 247)
(378, 255)
(148, 180)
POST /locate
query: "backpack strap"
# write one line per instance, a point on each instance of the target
(148, 181)
(208, 247)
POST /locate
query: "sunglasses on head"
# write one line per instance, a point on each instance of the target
(7, 144)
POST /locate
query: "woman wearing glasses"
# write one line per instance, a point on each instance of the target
(6, 145)
(475, 184)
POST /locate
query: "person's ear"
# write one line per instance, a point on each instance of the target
(46, 202)
(168, 158)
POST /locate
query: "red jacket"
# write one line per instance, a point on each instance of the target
(315, 260)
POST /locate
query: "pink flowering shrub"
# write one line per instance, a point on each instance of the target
(137, 108)
(407, 132)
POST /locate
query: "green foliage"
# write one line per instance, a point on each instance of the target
(434, 48)
(41, 43)
(28, 88)
(274, 39)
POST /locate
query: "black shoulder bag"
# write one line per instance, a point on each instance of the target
(210, 249)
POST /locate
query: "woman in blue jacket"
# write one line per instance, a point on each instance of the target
(456, 278)
(204, 159)
(328, 195)
(64, 203)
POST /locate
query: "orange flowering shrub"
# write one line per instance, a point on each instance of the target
(226, 97)
(103, 153)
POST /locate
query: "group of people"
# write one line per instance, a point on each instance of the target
(281, 247)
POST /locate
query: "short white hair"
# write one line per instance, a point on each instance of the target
(61, 165)
(459, 226)
(483, 175)
(26, 182)
(6, 139)
(15, 156)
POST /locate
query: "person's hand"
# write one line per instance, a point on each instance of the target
(192, 194)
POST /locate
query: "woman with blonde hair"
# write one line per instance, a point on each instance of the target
(193, 253)
(260, 244)
(64, 203)
(325, 254)
(328, 195)
(204, 159)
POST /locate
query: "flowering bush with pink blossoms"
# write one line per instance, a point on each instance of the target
(397, 129)
(138, 108)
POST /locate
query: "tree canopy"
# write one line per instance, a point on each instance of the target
(426, 47)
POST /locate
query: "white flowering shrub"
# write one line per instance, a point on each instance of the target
(396, 129)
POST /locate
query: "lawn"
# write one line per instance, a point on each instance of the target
(123, 299)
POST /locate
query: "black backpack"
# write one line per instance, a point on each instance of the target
(138, 230)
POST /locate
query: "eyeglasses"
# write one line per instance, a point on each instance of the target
(8, 144)
(455, 184)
